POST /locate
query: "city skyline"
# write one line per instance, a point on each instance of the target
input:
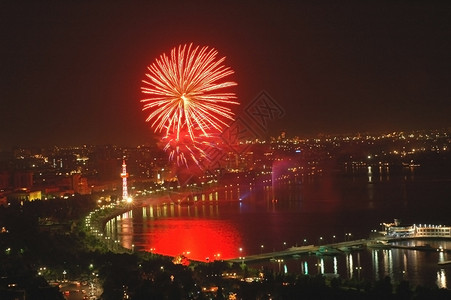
(71, 72)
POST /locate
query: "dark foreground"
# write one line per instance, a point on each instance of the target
(45, 242)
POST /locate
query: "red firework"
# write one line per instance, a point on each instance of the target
(185, 94)
(183, 91)
(184, 149)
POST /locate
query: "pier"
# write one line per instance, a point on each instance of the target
(292, 251)
(337, 248)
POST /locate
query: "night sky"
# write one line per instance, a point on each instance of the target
(71, 71)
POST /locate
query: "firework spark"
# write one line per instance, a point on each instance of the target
(183, 92)
(183, 149)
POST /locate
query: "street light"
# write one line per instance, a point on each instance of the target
(261, 248)
(348, 236)
(280, 261)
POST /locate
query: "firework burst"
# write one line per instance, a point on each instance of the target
(183, 91)
(186, 99)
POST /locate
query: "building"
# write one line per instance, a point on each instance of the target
(395, 230)
(432, 231)
(24, 195)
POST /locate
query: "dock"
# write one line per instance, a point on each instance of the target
(421, 248)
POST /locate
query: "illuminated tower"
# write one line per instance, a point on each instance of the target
(124, 176)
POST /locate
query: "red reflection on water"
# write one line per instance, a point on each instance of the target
(198, 239)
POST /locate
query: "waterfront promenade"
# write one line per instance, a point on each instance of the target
(104, 214)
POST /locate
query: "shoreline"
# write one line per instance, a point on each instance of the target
(155, 200)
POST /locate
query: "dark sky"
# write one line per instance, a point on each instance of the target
(71, 71)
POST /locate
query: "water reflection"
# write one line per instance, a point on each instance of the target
(441, 279)
(199, 239)
(223, 220)
(375, 261)
(335, 265)
(349, 265)
(320, 265)
(198, 230)
(388, 262)
(305, 268)
(418, 267)
(176, 229)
